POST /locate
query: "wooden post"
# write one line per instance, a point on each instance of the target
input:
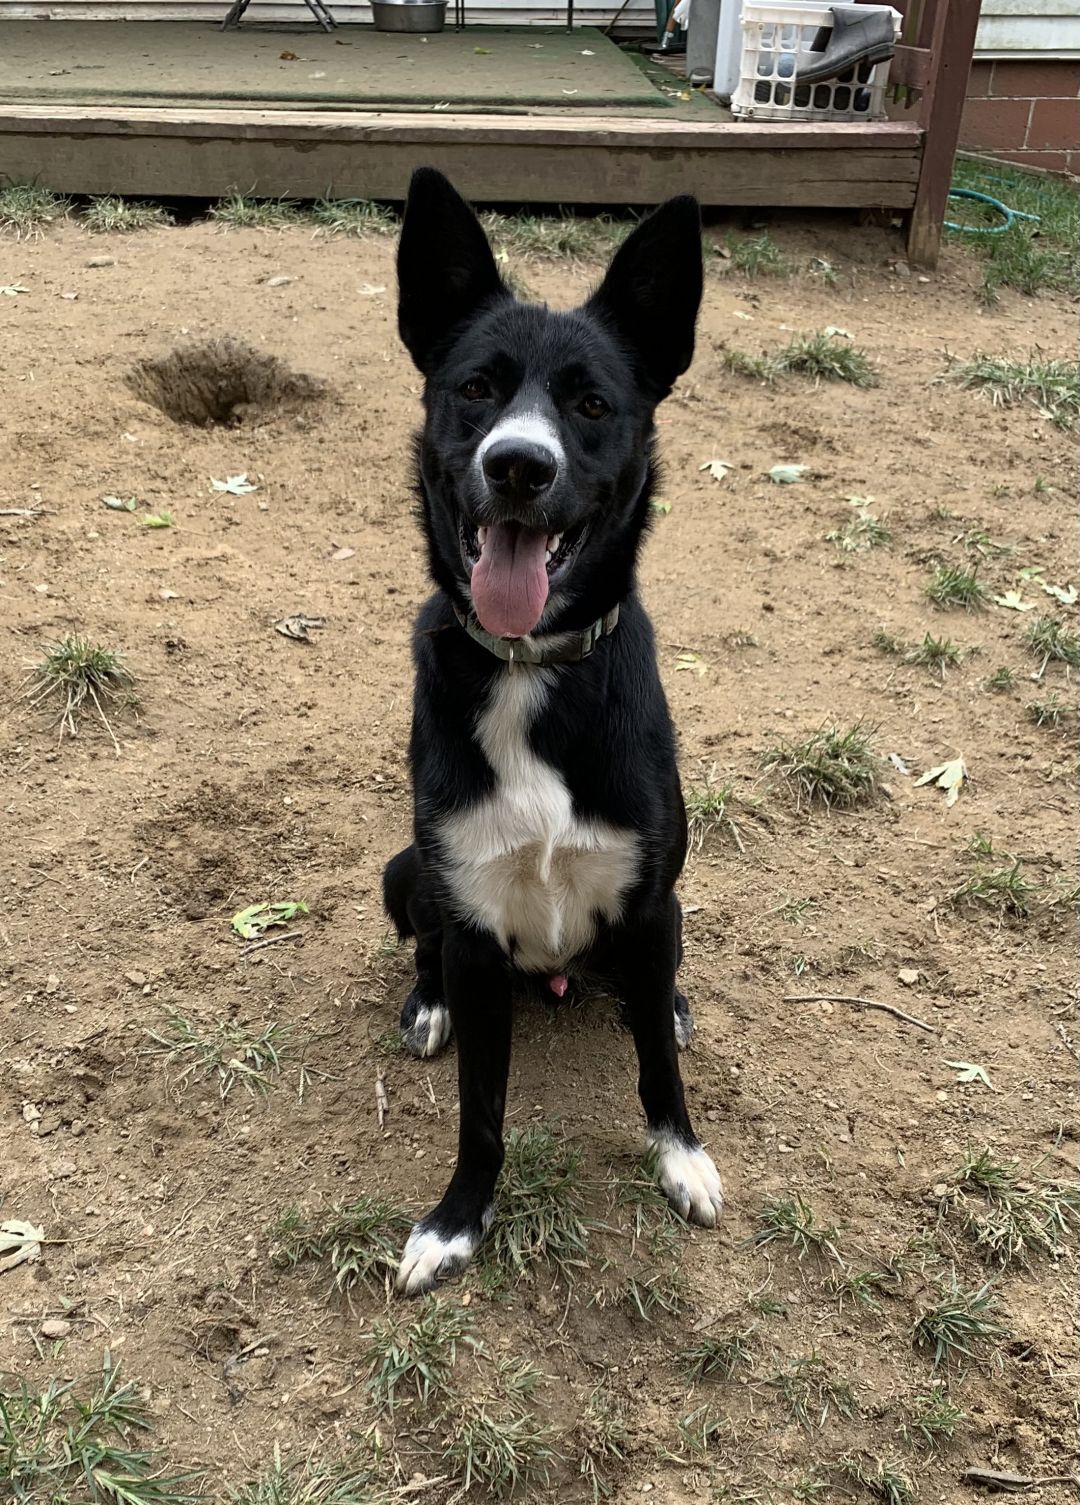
(948, 28)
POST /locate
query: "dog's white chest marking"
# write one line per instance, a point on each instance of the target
(519, 862)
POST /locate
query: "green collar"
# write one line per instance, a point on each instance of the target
(565, 647)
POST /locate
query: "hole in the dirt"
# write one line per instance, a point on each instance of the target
(221, 382)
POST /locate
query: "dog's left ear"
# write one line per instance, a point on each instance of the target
(652, 291)
(445, 266)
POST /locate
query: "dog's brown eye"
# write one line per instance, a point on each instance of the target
(593, 406)
(475, 389)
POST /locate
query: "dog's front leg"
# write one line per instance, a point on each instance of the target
(646, 956)
(476, 978)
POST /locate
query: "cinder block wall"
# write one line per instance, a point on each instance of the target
(1025, 111)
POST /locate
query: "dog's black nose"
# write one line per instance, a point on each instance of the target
(519, 469)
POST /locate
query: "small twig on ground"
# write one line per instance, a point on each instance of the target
(1014, 1483)
(20, 511)
(137, 866)
(273, 940)
(863, 1003)
(382, 1102)
(1066, 1040)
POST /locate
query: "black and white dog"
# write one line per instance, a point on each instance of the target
(549, 819)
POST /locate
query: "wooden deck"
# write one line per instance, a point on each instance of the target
(584, 159)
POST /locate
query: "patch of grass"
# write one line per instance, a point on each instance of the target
(1020, 259)
(859, 534)
(861, 1287)
(718, 1355)
(238, 211)
(1051, 712)
(1005, 888)
(960, 1325)
(936, 654)
(236, 1053)
(538, 1205)
(1054, 199)
(556, 237)
(933, 1419)
(27, 210)
(72, 1443)
(951, 587)
(77, 676)
(811, 1393)
(601, 1442)
(763, 368)
(708, 813)
(757, 256)
(312, 1480)
(496, 1442)
(121, 216)
(416, 1351)
(357, 217)
(824, 357)
(1010, 1215)
(702, 1430)
(790, 1221)
(887, 642)
(885, 1480)
(665, 1289)
(1002, 680)
(831, 766)
(359, 1240)
(1052, 385)
(1049, 639)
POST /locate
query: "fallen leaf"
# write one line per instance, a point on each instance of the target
(948, 776)
(297, 627)
(482, 51)
(898, 763)
(693, 662)
(834, 332)
(340, 554)
(121, 503)
(968, 1071)
(718, 469)
(586, 53)
(157, 520)
(662, 507)
(250, 923)
(11, 289)
(167, 595)
(69, 296)
(859, 501)
(909, 976)
(371, 290)
(787, 475)
(1012, 600)
(234, 485)
(1066, 594)
(19, 1242)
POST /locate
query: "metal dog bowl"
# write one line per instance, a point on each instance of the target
(409, 15)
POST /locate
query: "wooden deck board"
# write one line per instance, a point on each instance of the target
(493, 158)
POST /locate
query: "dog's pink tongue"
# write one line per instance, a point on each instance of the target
(509, 581)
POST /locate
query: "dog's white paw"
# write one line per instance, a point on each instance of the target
(688, 1178)
(429, 1031)
(684, 1029)
(428, 1256)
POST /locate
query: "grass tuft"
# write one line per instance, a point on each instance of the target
(85, 1443)
(789, 1220)
(1002, 680)
(862, 1286)
(356, 217)
(122, 216)
(1052, 385)
(829, 767)
(859, 534)
(886, 1481)
(1010, 1216)
(27, 210)
(1050, 639)
(933, 1420)
(811, 1393)
(1005, 888)
(538, 1205)
(1051, 712)
(237, 1054)
(78, 677)
(708, 813)
(602, 1441)
(819, 356)
(556, 237)
(718, 1356)
(416, 1351)
(936, 654)
(496, 1442)
(757, 256)
(359, 1240)
(313, 1480)
(961, 1325)
(951, 587)
(237, 211)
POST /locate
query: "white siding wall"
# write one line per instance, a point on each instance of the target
(1029, 29)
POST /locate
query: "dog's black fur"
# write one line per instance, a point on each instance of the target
(595, 375)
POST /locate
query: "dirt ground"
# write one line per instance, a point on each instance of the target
(261, 768)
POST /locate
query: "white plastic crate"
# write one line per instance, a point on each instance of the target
(774, 39)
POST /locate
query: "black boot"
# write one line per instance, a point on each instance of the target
(858, 36)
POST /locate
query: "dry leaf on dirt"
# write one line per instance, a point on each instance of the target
(718, 469)
(297, 627)
(1014, 602)
(692, 661)
(787, 475)
(19, 1243)
(251, 922)
(948, 776)
(968, 1072)
(1066, 594)
(234, 485)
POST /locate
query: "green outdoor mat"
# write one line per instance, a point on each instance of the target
(160, 62)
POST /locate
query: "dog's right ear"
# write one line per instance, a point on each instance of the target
(445, 267)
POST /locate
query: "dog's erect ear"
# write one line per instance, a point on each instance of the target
(445, 266)
(652, 291)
